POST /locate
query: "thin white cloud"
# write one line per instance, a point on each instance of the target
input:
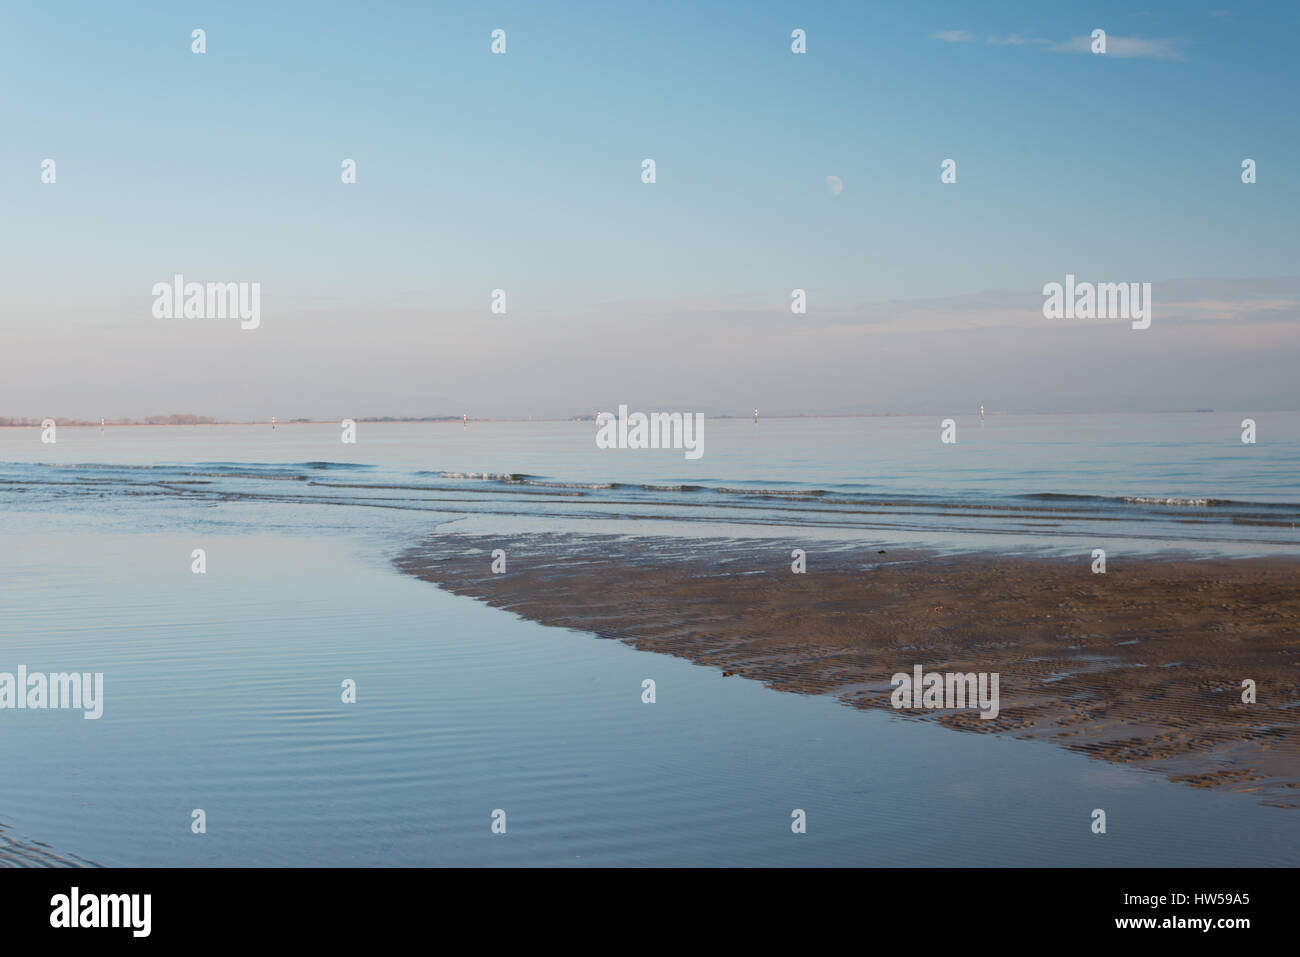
(1122, 47)
(1125, 47)
(1214, 301)
(953, 36)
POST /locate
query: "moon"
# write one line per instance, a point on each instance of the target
(835, 185)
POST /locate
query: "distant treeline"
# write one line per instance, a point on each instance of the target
(208, 420)
(148, 420)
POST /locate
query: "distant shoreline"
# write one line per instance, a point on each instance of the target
(188, 421)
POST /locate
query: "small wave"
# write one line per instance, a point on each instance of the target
(672, 488)
(481, 476)
(537, 483)
(271, 467)
(1063, 497)
(519, 478)
(331, 465)
(1193, 502)
(87, 465)
(269, 476)
(782, 492)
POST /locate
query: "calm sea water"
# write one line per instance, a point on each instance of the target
(1065, 483)
(222, 691)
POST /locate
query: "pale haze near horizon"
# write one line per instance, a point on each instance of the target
(522, 172)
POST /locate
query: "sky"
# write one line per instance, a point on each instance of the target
(522, 171)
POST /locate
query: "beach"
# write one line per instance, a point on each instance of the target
(475, 691)
(1142, 665)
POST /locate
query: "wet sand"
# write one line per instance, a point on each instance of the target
(1142, 665)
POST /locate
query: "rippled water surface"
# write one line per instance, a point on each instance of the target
(1065, 483)
(222, 691)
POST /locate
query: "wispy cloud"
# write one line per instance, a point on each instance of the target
(1214, 301)
(1127, 47)
(1116, 46)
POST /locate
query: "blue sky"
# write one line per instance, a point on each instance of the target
(522, 172)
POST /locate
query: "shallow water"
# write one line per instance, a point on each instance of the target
(1064, 484)
(222, 691)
